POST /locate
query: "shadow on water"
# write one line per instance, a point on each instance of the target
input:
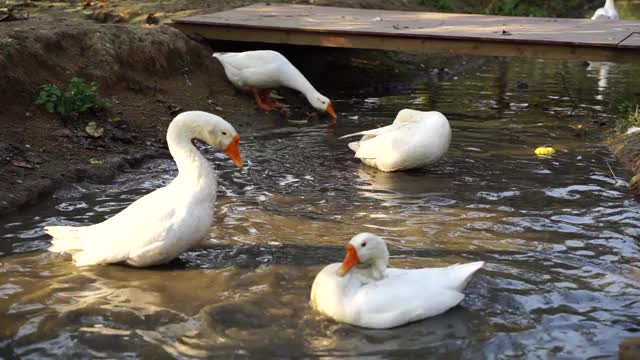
(558, 236)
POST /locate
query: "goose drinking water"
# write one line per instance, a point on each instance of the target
(261, 70)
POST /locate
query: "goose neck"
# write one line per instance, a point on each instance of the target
(374, 270)
(295, 80)
(192, 166)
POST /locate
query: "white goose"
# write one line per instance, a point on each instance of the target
(362, 291)
(168, 221)
(263, 69)
(608, 12)
(415, 139)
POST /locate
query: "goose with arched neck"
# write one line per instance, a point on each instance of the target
(161, 225)
(192, 166)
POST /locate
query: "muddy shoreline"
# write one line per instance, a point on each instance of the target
(626, 148)
(147, 75)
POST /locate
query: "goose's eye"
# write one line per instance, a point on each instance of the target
(364, 244)
(224, 133)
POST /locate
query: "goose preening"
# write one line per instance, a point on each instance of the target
(261, 70)
(608, 12)
(161, 225)
(362, 291)
(415, 139)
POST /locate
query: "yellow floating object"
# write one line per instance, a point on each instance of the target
(545, 150)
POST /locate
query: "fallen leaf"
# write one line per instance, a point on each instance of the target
(93, 129)
(274, 95)
(21, 164)
(95, 161)
(174, 109)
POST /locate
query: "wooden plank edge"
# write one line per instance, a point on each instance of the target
(506, 38)
(412, 44)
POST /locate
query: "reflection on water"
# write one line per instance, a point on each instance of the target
(603, 70)
(558, 236)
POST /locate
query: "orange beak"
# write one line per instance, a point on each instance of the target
(233, 151)
(350, 260)
(331, 111)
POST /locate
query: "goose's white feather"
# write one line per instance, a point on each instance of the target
(400, 296)
(264, 69)
(159, 226)
(608, 12)
(415, 139)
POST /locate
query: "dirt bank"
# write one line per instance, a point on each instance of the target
(627, 149)
(137, 11)
(146, 75)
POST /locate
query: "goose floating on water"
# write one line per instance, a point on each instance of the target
(161, 225)
(362, 291)
(415, 139)
(261, 70)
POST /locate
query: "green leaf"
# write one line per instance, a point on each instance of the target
(79, 97)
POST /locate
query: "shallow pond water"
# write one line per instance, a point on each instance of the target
(562, 277)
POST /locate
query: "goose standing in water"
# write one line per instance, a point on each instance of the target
(362, 291)
(415, 139)
(261, 70)
(608, 12)
(161, 225)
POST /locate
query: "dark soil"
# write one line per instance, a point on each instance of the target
(147, 75)
(627, 150)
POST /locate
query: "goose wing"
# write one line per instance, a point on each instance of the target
(376, 142)
(411, 301)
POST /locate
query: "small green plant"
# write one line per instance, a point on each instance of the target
(78, 98)
(632, 119)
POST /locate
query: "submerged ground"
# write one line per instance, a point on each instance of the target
(149, 73)
(558, 236)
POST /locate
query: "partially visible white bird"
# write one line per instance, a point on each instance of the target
(161, 225)
(261, 70)
(362, 291)
(415, 139)
(608, 12)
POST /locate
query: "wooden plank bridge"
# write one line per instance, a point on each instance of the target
(463, 34)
